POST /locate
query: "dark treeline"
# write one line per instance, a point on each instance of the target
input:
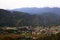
(51, 37)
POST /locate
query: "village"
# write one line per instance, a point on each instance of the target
(30, 29)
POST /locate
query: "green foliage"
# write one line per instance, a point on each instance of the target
(14, 18)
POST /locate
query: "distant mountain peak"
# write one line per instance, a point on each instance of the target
(34, 10)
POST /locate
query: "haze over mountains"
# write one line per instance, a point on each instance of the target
(35, 10)
(30, 17)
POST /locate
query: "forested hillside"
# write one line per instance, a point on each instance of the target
(14, 18)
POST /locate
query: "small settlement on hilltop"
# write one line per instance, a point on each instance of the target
(33, 30)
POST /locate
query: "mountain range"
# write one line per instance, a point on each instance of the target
(30, 17)
(35, 10)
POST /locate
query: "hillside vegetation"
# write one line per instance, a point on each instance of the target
(14, 18)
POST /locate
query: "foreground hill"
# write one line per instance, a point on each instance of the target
(14, 18)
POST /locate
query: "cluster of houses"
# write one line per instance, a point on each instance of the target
(15, 29)
(46, 30)
(33, 30)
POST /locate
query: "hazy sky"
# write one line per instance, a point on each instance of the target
(11, 4)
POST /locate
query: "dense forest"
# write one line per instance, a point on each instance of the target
(15, 18)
